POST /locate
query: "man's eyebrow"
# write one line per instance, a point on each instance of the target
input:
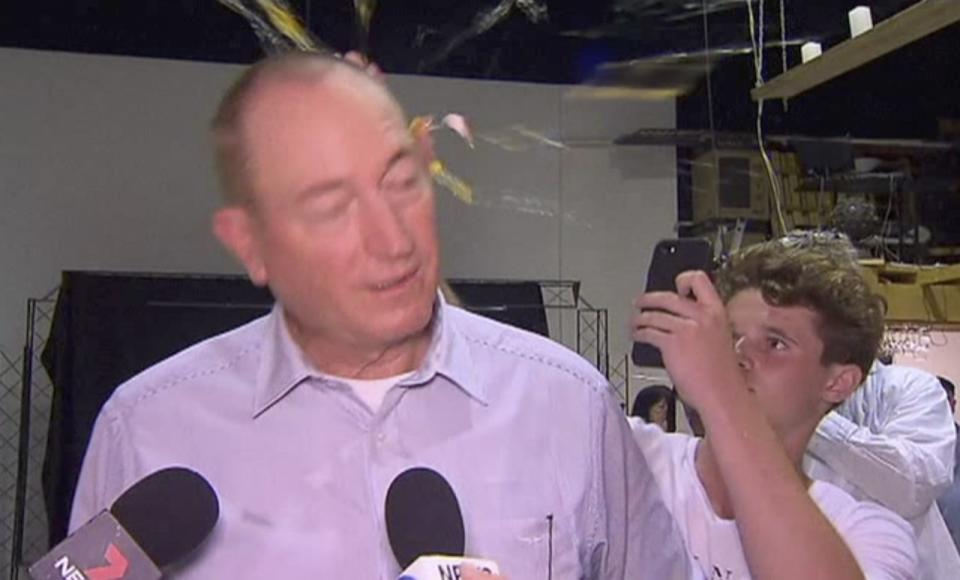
(401, 154)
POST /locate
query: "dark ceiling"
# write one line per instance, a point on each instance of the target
(533, 40)
(557, 41)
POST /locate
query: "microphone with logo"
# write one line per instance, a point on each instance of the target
(425, 527)
(154, 523)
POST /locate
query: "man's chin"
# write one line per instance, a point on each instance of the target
(407, 324)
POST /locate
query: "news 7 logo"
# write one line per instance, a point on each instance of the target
(114, 570)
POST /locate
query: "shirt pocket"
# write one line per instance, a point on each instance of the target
(524, 547)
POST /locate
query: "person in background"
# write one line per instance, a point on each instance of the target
(788, 333)
(893, 442)
(949, 502)
(652, 404)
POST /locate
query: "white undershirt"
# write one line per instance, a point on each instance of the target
(372, 391)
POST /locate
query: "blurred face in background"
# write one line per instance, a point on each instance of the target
(658, 413)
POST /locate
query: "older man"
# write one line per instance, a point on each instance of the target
(303, 418)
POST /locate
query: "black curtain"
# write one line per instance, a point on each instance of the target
(106, 329)
(518, 303)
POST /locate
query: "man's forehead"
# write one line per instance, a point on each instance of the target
(299, 133)
(291, 94)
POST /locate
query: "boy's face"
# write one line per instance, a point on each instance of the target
(780, 351)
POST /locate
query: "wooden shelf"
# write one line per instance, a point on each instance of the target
(917, 21)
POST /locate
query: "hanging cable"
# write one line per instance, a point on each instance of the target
(708, 66)
(756, 41)
(783, 47)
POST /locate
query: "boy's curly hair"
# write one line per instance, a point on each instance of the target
(821, 273)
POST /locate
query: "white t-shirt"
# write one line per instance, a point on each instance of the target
(372, 391)
(881, 541)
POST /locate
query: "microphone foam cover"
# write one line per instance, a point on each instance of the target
(168, 513)
(423, 516)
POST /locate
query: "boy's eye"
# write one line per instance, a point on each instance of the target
(776, 343)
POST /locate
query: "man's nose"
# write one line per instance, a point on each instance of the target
(385, 230)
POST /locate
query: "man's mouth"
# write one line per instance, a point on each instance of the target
(395, 282)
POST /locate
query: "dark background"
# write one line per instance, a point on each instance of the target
(900, 95)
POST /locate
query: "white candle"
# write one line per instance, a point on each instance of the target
(860, 21)
(810, 51)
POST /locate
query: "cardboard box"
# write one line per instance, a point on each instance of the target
(928, 294)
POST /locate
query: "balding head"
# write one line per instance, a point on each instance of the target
(305, 68)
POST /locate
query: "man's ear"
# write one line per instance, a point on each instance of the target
(235, 228)
(845, 378)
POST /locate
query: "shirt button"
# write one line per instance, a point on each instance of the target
(381, 438)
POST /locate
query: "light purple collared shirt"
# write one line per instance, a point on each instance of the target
(522, 429)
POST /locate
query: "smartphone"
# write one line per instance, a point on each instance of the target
(670, 259)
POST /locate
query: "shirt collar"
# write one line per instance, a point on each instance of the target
(283, 365)
(449, 354)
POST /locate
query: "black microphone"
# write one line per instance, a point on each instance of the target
(425, 527)
(156, 522)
